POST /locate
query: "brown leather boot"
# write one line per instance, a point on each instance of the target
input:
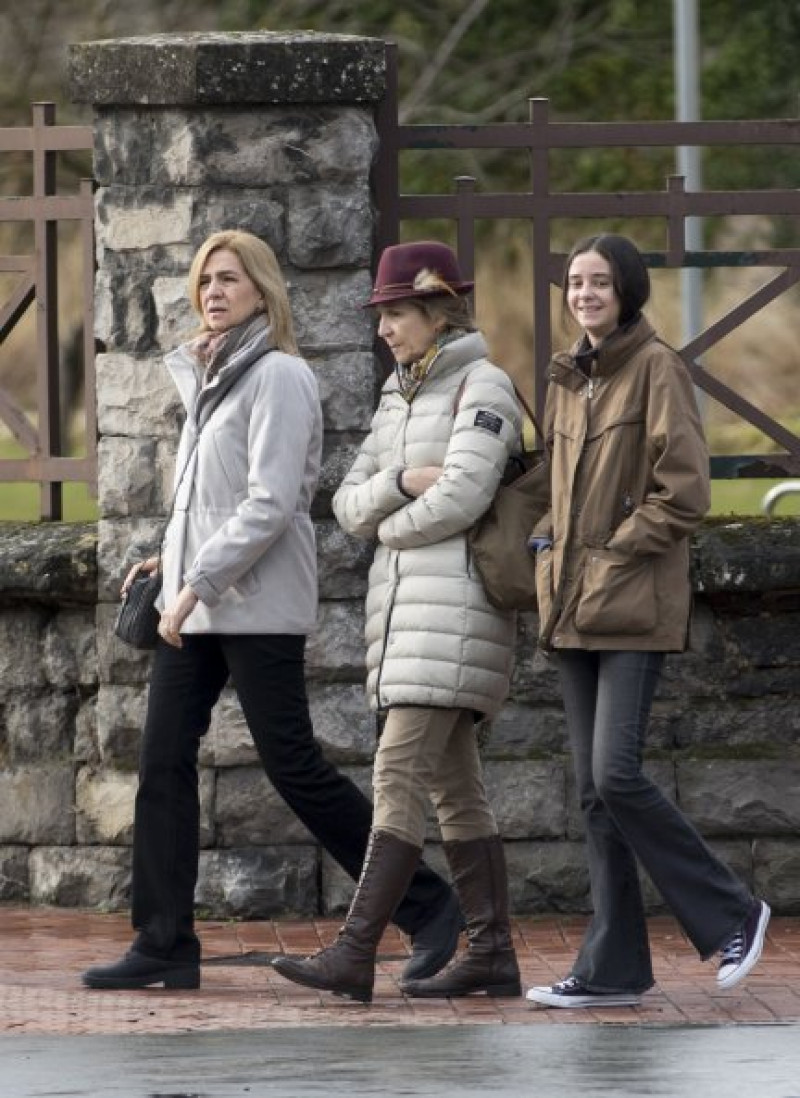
(490, 964)
(348, 966)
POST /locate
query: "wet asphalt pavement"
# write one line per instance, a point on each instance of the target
(548, 1061)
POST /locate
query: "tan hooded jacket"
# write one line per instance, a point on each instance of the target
(629, 484)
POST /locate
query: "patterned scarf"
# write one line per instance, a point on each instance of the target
(412, 375)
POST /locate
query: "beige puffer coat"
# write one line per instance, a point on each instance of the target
(432, 637)
(629, 484)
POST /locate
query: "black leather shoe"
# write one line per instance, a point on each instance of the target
(435, 943)
(138, 970)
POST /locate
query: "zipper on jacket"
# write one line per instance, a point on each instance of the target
(395, 580)
(389, 612)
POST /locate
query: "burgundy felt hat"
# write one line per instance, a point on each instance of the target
(423, 268)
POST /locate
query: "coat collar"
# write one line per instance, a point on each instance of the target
(571, 368)
(183, 367)
(452, 358)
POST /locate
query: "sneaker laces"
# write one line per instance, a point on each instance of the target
(569, 984)
(731, 953)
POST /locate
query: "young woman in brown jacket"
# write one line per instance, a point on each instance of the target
(629, 484)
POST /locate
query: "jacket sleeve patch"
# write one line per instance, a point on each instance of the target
(489, 421)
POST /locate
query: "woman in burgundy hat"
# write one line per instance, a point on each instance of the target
(439, 656)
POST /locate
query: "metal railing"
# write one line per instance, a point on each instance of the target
(781, 491)
(539, 206)
(43, 439)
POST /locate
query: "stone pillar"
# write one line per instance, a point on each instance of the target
(273, 133)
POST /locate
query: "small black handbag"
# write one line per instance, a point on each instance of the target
(137, 618)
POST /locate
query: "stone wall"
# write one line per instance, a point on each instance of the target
(276, 134)
(723, 742)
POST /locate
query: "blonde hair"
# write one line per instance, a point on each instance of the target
(261, 266)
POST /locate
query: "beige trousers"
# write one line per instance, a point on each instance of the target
(430, 754)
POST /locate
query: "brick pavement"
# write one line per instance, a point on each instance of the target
(43, 951)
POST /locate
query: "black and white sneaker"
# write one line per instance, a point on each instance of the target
(572, 993)
(741, 953)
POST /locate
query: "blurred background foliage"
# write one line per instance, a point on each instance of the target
(479, 61)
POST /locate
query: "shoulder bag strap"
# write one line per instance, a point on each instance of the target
(526, 407)
(187, 463)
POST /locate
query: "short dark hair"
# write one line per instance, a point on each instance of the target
(629, 274)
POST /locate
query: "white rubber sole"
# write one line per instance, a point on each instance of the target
(545, 996)
(735, 975)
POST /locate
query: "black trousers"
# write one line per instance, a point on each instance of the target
(268, 674)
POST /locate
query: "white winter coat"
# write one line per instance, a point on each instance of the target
(432, 637)
(241, 535)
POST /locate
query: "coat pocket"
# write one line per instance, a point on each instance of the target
(544, 584)
(618, 594)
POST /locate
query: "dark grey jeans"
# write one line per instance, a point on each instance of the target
(607, 698)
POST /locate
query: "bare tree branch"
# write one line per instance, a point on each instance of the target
(440, 58)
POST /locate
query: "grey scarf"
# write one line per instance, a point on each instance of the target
(221, 348)
(231, 357)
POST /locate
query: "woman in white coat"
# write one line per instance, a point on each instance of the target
(439, 656)
(239, 596)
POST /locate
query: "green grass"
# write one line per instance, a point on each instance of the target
(743, 497)
(19, 502)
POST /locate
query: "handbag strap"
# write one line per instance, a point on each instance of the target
(526, 407)
(187, 463)
(171, 511)
(529, 412)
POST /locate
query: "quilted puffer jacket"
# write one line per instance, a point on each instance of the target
(432, 637)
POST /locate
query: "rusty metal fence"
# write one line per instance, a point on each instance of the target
(540, 206)
(41, 435)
